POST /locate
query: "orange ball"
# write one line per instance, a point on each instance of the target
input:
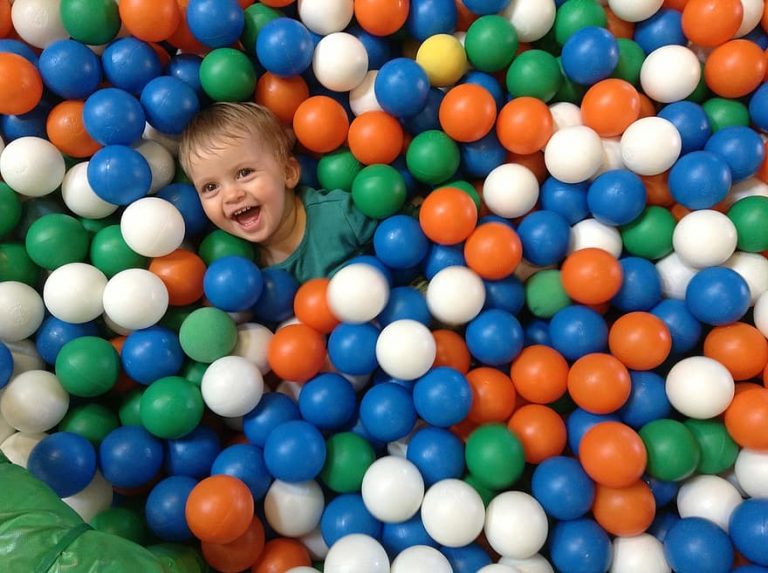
(451, 350)
(599, 383)
(277, 3)
(740, 347)
(610, 106)
(540, 374)
(182, 38)
(150, 20)
(533, 161)
(182, 273)
(591, 276)
(239, 554)
(219, 509)
(735, 68)
(280, 555)
(381, 17)
(6, 25)
(624, 511)
(282, 95)
(375, 137)
(21, 87)
(675, 4)
(493, 250)
(310, 305)
(296, 352)
(541, 430)
(613, 454)
(448, 216)
(493, 395)
(524, 125)
(746, 418)
(320, 124)
(709, 23)
(66, 130)
(467, 112)
(657, 190)
(617, 27)
(640, 340)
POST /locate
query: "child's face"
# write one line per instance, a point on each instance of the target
(242, 187)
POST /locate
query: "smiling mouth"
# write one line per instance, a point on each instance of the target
(247, 217)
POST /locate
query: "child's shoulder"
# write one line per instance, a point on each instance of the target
(311, 196)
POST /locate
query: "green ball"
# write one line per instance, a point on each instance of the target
(494, 456)
(491, 43)
(486, 494)
(631, 58)
(574, 15)
(227, 74)
(55, 240)
(218, 244)
(673, 452)
(650, 235)
(175, 316)
(92, 22)
(379, 191)
(701, 92)
(544, 293)
(337, 170)
(15, 265)
(207, 334)
(10, 209)
(87, 366)
(111, 254)
(34, 209)
(718, 450)
(347, 459)
(129, 412)
(534, 73)
(93, 226)
(432, 157)
(194, 371)
(171, 407)
(91, 421)
(256, 17)
(122, 522)
(723, 112)
(750, 216)
(569, 91)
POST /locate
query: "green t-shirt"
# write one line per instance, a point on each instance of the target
(336, 231)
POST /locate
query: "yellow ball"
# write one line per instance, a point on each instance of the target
(443, 58)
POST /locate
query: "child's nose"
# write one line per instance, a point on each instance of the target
(234, 192)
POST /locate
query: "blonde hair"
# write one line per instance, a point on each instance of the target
(231, 121)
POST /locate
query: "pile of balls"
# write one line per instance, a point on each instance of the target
(554, 358)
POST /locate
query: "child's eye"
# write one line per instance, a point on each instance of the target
(209, 188)
(244, 172)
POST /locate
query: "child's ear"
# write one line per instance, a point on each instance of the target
(292, 172)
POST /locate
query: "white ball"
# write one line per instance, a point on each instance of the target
(363, 97)
(252, 343)
(18, 446)
(453, 513)
(699, 387)
(5, 428)
(356, 553)
(135, 298)
(315, 544)
(324, 17)
(93, 499)
(455, 295)
(704, 238)
(670, 73)
(161, 164)
(405, 349)
(152, 227)
(634, 10)
(34, 401)
(421, 559)
(565, 114)
(611, 155)
(25, 357)
(232, 386)
(532, 19)
(761, 314)
(392, 489)
(515, 525)
(79, 196)
(302, 569)
(674, 275)
(745, 188)
(753, 268)
(357, 293)
(534, 564)
(32, 166)
(21, 311)
(293, 509)
(170, 142)
(751, 471)
(74, 292)
(650, 145)
(38, 22)
(752, 13)
(510, 190)
(498, 568)
(591, 233)
(710, 497)
(340, 62)
(564, 163)
(639, 554)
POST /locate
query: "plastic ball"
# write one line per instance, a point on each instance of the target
(352, 348)
(432, 157)
(680, 63)
(409, 334)
(590, 55)
(32, 166)
(713, 384)
(740, 147)
(442, 397)
(399, 242)
(135, 299)
(579, 544)
(692, 539)
(401, 87)
(612, 454)
(375, 137)
(356, 552)
(709, 23)
(421, 556)
(610, 106)
(169, 104)
(340, 62)
(710, 497)
(494, 337)
(675, 276)
(717, 295)
(708, 249)
(152, 227)
(327, 401)
(276, 301)
(453, 513)
(293, 509)
(150, 21)
(568, 167)
(455, 295)
(273, 42)
(387, 412)
(34, 401)
(91, 23)
(699, 180)
(87, 366)
(227, 74)
(294, 451)
(515, 525)
(357, 293)
(640, 552)
(70, 69)
(650, 146)
(381, 18)
(392, 489)
(129, 456)
(64, 461)
(113, 117)
(171, 407)
(535, 73)
(119, 175)
(347, 514)
(379, 191)
(467, 112)
(490, 42)
(498, 182)
(448, 216)
(22, 310)
(74, 293)
(232, 386)
(219, 509)
(25, 88)
(691, 121)
(215, 24)
(232, 283)
(443, 58)
(562, 488)
(745, 417)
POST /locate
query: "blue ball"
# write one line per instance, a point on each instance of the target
(246, 463)
(641, 286)
(192, 455)
(442, 397)
(165, 507)
(113, 117)
(664, 492)
(545, 236)
(186, 67)
(6, 364)
(487, 81)
(486, 7)
(647, 400)
(691, 122)
(428, 117)
(577, 330)
(399, 242)
(684, 328)
(187, 201)
(467, 559)
(273, 409)
(405, 302)
(750, 569)
(748, 531)
(441, 257)
(387, 412)
(215, 23)
(479, 158)
(328, 401)
(402, 87)
(697, 545)
(346, 514)
(379, 49)
(664, 28)
(64, 461)
(662, 523)
(580, 545)
(397, 537)
(717, 296)
(438, 454)
(295, 451)
(308, 165)
(494, 337)
(70, 69)
(119, 174)
(129, 456)
(276, 301)
(129, 64)
(616, 197)
(374, 262)
(53, 334)
(169, 104)
(699, 180)
(352, 348)
(233, 283)
(284, 47)
(151, 353)
(27, 124)
(589, 55)
(429, 17)
(567, 199)
(505, 294)
(579, 422)
(563, 488)
(537, 332)
(758, 107)
(741, 148)
(20, 49)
